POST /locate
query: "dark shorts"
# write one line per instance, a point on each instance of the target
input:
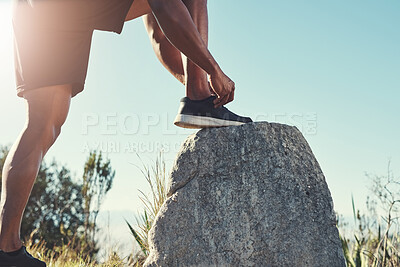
(52, 39)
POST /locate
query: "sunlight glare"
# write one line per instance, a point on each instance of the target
(6, 45)
(12, 109)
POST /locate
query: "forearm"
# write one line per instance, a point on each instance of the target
(177, 25)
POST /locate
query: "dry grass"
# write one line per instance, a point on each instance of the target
(370, 243)
(157, 180)
(67, 256)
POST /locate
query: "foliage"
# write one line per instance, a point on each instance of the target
(68, 256)
(54, 211)
(376, 240)
(98, 177)
(63, 211)
(58, 207)
(156, 178)
(370, 246)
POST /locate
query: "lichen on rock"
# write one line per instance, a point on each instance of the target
(250, 195)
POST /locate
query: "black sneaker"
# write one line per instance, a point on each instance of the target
(202, 114)
(22, 259)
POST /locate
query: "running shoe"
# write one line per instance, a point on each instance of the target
(22, 259)
(197, 114)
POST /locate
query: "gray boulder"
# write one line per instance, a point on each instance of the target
(250, 195)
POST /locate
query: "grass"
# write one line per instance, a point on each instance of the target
(72, 255)
(376, 240)
(373, 241)
(67, 257)
(372, 247)
(157, 180)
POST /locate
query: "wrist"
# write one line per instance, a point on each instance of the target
(214, 70)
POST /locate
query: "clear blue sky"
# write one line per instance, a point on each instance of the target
(332, 68)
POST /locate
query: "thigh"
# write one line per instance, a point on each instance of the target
(47, 110)
(107, 15)
(48, 53)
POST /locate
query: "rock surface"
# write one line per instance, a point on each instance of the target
(250, 195)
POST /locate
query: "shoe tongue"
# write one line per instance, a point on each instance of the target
(205, 100)
(208, 99)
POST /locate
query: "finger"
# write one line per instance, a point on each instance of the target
(231, 96)
(217, 99)
(218, 96)
(233, 92)
(223, 100)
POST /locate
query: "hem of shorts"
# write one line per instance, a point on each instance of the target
(118, 29)
(77, 87)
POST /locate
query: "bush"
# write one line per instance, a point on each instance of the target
(376, 240)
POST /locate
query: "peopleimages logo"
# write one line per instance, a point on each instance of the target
(305, 122)
(131, 147)
(113, 123)
(128, 133)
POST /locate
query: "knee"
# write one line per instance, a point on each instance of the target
(52, 130)
(47, 111)
(55, 131)
(45, 132)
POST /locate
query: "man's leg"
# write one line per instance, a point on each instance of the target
(167, 54)
(47, 110)
(180, 27)
(197, 87)
(188, 73)
(191, 114)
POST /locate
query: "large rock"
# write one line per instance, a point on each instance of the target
(251, 195)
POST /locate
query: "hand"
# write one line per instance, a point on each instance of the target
(223, 87)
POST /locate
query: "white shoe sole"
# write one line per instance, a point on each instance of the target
(198, 122)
